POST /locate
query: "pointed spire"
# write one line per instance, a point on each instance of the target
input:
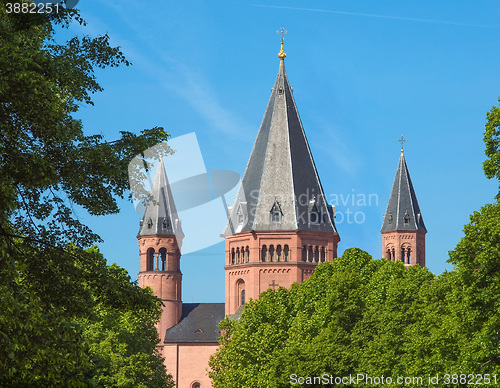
(403, 212)
(281, 170)
(160, 216)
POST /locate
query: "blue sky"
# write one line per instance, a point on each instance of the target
(363, 74)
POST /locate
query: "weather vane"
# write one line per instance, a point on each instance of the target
(281, 54)
(402, 141)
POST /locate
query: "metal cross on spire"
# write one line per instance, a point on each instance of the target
(282, 31)
(402, 141)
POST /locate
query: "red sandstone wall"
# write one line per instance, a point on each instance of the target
(193, 360)
(255, 276)
(413, 239)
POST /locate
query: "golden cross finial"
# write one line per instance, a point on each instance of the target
(282, 54)
(402, 141)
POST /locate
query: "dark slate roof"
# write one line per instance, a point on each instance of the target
(198, 323)
(237, 314)
(403, 203)
(280, 173)
(160, 216)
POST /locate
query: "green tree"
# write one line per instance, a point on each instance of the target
(477, 261)
(354, 315)
(113, 343)
(121, 336)
(60, 303)
(491, 138)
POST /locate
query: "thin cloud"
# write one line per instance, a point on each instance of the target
(171, 74)
(201, 96)
(375, 16)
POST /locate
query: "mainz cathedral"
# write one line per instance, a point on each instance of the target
(279, 229)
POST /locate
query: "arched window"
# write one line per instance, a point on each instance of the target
(403, 255)
(390, 252)
(163, 259)
(233, 255)
(286, 252)
(278, 253)
(150, 259)
(316, 254)
(263, 256)
(247, 255)
(408, 256)
(271, 252)
(304, 253)
(240, 292)
(323, 254)
(310, 257)
(196, 385)
(237, 255)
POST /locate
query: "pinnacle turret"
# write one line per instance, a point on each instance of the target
(403, 212)
(160, 216)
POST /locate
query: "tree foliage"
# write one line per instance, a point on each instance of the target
(477, 262)
(491, 166)
(48, 164)
(121, 336)
(354, 315)
(108, 339)
(66, 318)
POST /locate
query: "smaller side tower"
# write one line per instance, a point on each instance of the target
(403, 230)
(160, 240)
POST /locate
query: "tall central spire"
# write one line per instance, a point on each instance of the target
(280, 226)
(281, 173)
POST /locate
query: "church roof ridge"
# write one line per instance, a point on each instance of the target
(198, 324)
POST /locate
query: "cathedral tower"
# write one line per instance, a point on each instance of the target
(280, 226)
(403, 230)
(160, 239)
